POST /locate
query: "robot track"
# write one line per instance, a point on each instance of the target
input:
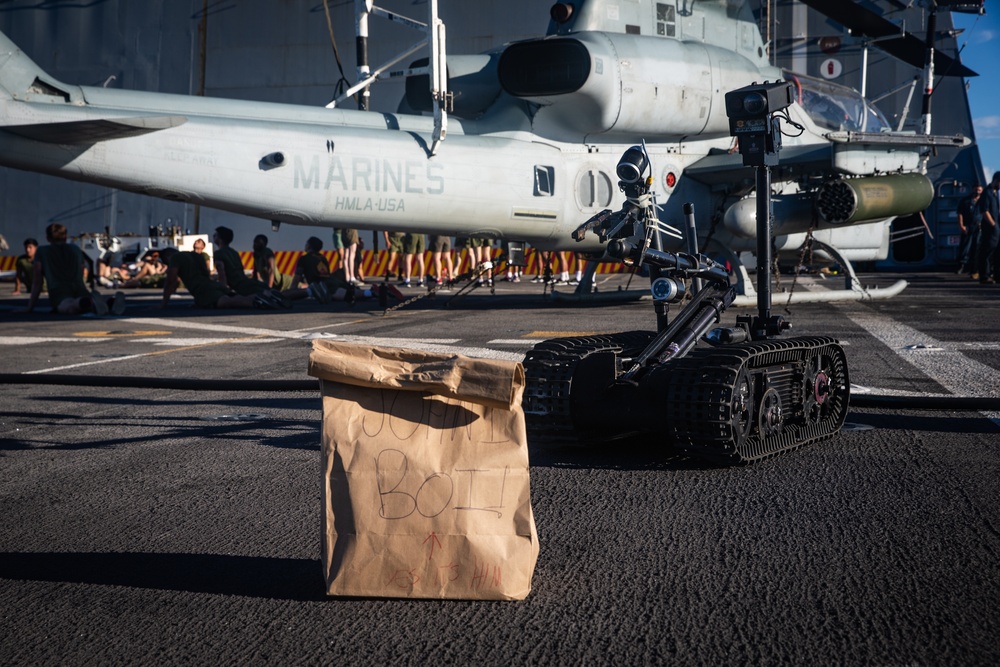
(743, 403)
(553, 380)
(732, 404)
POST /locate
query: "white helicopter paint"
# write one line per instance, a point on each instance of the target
(530, 165)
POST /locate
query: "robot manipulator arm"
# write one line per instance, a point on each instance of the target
(679, 264)
(608, 224)
(596, 223)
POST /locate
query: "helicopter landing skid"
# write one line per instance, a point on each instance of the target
(852, 290)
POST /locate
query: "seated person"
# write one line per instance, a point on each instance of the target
(24, 267)
(108, 275)
(151, 273)
(229, 266)
(265, 266)
(314, 269)
(191, 268)
(61, 265)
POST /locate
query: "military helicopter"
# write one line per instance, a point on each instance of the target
(517, 144)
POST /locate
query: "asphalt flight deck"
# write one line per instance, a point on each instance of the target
(168, 526)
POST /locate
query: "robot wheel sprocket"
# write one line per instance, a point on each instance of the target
(743, 403)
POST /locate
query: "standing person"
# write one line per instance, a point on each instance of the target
(359, 262)
(544, 274)
(513, 272)
(989, 231)
(562, 259)
(553, 267)
(61, 264)
(969, 218)
(24, 267)
(441, 259)
(229, 266)
(265, 266)
(482, 260)
(580, 262)
(414, 246)
(394, 246)
(464, 243)
(348, 258)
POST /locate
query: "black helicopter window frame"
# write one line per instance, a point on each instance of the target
(666, 20)
(545, 181)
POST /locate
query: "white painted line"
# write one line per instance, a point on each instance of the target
(88, 363)
(513, 341)
(176, 342)
(191, 342)
(385, 340)
(902, 393)
(292, 335)
(973, 346)
(951, 369)
(220, 328)
(401, 342)
(31, 340)
(331, 325)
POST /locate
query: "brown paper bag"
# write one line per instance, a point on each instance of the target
(425, 475)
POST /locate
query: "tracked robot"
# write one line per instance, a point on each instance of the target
(750, 393)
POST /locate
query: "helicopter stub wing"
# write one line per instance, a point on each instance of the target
(853, 153)
(91, 131)
(899, 140)
(907, 47)
(721, 167)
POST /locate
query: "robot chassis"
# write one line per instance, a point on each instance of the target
(747, 395)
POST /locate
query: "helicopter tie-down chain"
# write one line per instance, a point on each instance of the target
(469, 276)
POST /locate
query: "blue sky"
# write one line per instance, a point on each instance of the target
(982, 54)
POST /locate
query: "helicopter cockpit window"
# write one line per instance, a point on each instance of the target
(836, 107)
(666, 20)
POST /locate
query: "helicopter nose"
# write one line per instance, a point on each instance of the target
(561, 12)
